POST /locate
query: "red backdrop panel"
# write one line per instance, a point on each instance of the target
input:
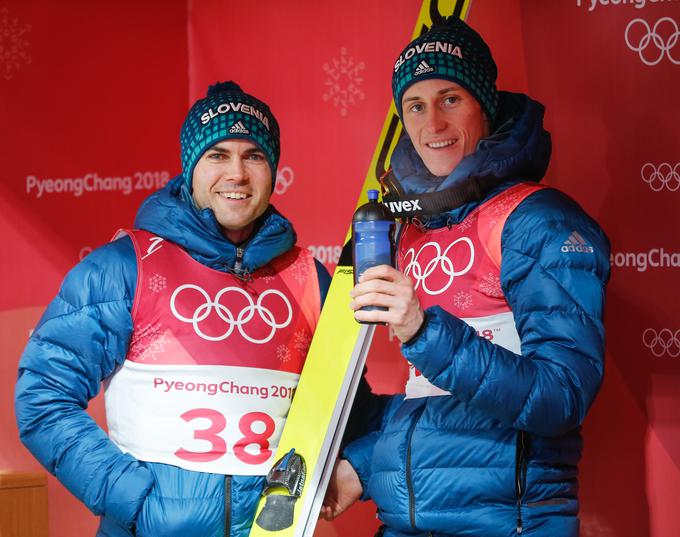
(92, 97)
(606, 74)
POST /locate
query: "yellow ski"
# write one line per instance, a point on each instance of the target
(315, 424)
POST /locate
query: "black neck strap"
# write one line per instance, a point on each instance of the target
(403, 205)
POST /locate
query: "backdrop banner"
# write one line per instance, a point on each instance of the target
(92, 97)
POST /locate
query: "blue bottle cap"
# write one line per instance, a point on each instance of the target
(372, 195)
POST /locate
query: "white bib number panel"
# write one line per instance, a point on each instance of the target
(219, 419)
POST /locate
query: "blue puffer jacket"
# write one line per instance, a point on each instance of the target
(499, 456)
(81, 339)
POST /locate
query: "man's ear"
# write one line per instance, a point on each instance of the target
(487, 125)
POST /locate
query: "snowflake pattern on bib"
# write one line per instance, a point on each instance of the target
(462, 300)
(302, 341)
(491, 285)
(148, 342)
(283, 353)
(157, 283)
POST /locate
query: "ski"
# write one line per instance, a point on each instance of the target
(311, 437)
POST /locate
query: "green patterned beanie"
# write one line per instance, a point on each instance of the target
(450, 50)
(227, 112)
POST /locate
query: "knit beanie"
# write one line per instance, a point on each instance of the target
(450, 50)
(227, 112)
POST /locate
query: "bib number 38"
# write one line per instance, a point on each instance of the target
(218, 445)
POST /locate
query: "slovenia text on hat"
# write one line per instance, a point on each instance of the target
(228, 112)
(450, 50)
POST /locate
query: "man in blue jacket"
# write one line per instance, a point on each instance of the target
(498, 302)
(197, 322)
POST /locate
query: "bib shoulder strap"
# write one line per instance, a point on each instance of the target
(298, 269)
(502, 207)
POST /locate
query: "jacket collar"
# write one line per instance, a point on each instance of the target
(170, 213)
(518, 149)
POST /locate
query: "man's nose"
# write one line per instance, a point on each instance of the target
(434, 121)
(236, 169)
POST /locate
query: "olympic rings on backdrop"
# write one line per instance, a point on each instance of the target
(84, 252)
(662, 343)
(441, 261)
(284, 178)
(653, 40)
(224, 313)
(663, 176)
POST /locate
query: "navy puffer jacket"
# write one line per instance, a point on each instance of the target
(498, 456)
(81, 339)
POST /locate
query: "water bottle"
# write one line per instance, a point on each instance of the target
(372, 238)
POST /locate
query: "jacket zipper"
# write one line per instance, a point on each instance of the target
(520, 475)
(239, 260)
(227, 505)
(409, 482)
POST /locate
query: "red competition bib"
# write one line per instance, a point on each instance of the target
(458, 268)
(213, 361)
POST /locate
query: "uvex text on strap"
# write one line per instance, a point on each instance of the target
(288, 473)
(408, 205)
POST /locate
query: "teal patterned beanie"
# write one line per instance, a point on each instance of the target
(227, 112)
(450, 50)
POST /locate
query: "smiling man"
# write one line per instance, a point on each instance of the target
(234, 180)
(198, 323)
(444, 123)
(498, 305)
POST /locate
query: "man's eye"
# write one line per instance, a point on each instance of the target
(417, 107)
(256, 156)
(215, 156)
(451, 99)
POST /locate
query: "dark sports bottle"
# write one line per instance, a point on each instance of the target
(372, 238)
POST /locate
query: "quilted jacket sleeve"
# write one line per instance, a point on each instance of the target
(370, 413)
(557, 299)
(81, 338)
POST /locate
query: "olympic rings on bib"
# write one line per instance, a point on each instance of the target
(652, 38)
(662, 343)
(440, 261)
(242, 318)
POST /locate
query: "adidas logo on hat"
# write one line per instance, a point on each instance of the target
(576, 243)
(238, 128)
(423, 68)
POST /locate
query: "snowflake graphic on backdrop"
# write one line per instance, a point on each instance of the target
(344, 82)
(283, 353)
(148, 342)
(462, 300)
(157, 283)
(490, 285)
(301, 341)
(13, 44)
